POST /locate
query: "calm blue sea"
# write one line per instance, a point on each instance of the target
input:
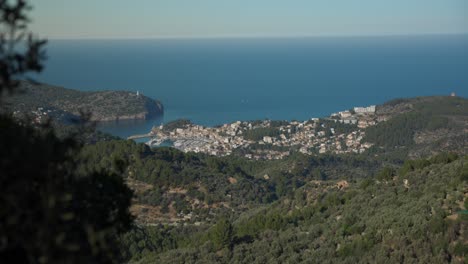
(215, 81)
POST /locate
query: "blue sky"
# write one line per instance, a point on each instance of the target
(221, 18)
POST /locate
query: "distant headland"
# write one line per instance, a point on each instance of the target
(43, 100)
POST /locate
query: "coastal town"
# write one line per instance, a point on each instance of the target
(342, 132)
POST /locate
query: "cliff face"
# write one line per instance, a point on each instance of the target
(103, 105)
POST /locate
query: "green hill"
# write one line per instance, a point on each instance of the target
(421, 126)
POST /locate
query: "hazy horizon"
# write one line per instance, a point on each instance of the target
(221, 37)
(86, 19)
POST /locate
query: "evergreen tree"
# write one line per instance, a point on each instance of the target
(222, 235)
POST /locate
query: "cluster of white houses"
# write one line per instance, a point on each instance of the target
(309, 137)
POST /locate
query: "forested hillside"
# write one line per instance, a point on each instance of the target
(194, 208)
(412, 215)
(173, 186)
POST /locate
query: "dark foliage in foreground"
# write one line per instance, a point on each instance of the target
(49, 213)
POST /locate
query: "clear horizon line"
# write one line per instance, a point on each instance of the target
(233, 36)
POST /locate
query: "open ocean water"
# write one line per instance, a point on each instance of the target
(216, 81)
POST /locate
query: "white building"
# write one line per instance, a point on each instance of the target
(365, 110)
(345, 114)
